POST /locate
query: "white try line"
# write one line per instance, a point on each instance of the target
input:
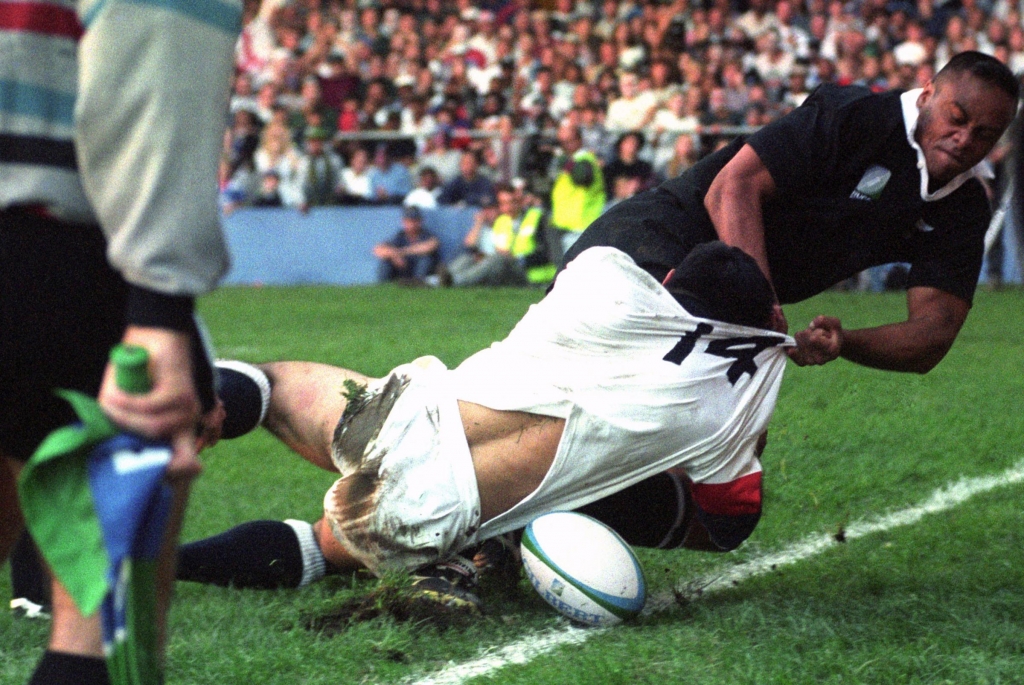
(539, 643)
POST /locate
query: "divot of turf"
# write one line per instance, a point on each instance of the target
(390, 601)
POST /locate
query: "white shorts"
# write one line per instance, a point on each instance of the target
(409, 497)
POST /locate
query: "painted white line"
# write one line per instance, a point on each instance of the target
(539, 643)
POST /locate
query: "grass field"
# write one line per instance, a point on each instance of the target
(940, 600)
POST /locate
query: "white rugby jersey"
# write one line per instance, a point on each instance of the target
(642, 384)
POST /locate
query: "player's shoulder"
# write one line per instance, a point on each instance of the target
(857, 100)
(604, 264)
(842, 96)
(609, 277)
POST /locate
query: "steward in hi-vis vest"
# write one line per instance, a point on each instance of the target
(523, 240)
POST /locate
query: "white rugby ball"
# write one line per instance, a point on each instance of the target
(583, 568)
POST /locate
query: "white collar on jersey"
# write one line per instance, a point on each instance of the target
(910, 112)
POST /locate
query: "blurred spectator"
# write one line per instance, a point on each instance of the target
(243, 96)
(506, 150)
(239, 183)
(470, 187)
(684, 155)
(791, 27)
(277, 153)
(912, 50)
(471, 266)
(664, 82)
(427, 190)
(773, 64)
(578, 194)
(417, 122)
(338, 82)
(504, 247)
(355, 178)
(679, 115)
(519, 234)
(351, 117)
(267, 105)
(412, 254)
(542, 91)
(319, 172)
(390, 181)
(312, 110)
(269, 192)
(242, 139)
(756, 20)
(627, 173)
(441, 156)
(633, 109)
(716, 115)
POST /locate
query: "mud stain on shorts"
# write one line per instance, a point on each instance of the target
(361, 423)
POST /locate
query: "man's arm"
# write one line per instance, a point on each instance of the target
(934, 319)
(423, 247)
(734, 203)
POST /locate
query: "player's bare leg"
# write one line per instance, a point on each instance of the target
(306, 401)
(334, 552)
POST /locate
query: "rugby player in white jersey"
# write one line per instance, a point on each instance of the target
(611, 379)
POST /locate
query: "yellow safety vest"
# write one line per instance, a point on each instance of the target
(573, 207)
(522, 242)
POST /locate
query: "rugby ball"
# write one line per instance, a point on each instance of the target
(583, 568)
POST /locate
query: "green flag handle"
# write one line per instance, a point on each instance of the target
(135, 659)
(131, 368)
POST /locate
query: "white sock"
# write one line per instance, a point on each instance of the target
(314, 566)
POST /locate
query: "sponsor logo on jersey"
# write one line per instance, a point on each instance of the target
(872, 183)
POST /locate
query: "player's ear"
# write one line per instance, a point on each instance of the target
(926, 94)
(668, 276)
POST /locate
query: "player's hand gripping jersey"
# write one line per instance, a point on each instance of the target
(643, 386)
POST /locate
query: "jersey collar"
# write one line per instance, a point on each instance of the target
(910, 113)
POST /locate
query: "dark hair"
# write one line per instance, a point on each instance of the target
(984, 68)
(723, 283)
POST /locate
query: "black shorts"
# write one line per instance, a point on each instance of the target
(61, 310)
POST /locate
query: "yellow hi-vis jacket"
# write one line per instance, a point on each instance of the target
(574, 207)
(521, 242)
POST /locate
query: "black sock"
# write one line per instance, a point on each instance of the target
(648, 514)
(245, 391)
(257, 554)
(29, 580)
(59, 668)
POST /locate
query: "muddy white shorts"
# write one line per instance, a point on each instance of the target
(408, 494)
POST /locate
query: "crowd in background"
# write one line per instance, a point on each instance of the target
(367, 101)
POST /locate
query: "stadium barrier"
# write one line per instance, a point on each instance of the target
(333, 245)
(327, 245)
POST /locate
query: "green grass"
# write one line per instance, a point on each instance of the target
(936, 602)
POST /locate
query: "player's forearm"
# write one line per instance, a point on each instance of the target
(910, 346)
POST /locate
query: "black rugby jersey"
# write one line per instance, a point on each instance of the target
(847, 198)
